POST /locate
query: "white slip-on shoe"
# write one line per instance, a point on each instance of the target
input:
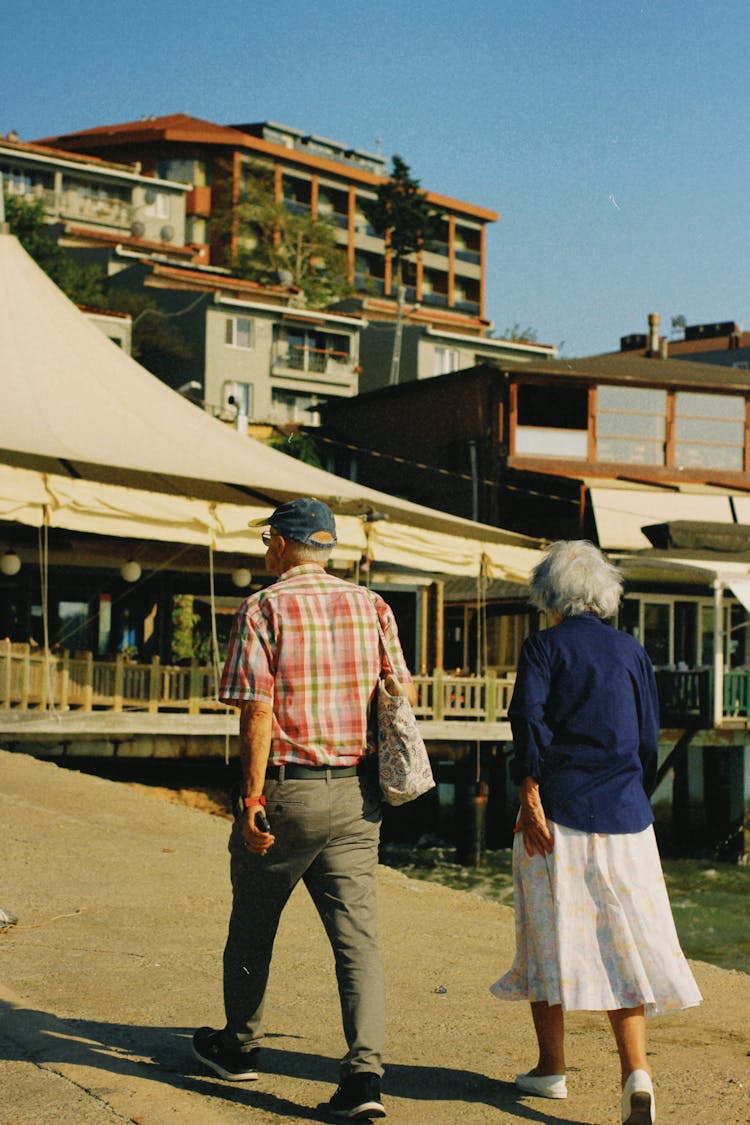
(543, 1085)
(638, 1106)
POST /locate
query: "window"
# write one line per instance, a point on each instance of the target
(631, 425)
(445, 360)
(552, 421)
(310, 350)
(709, 431)
(157, 204)
(238, 332)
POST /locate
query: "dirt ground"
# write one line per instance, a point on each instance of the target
(123, 902)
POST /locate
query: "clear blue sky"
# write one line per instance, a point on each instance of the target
(611, 137)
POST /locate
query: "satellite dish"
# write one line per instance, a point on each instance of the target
(150, 195)
(167, 233)
(286, 277)
(137, 229)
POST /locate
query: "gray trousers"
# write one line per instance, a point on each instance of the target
(327, 832)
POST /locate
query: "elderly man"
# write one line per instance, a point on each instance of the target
(304, 659)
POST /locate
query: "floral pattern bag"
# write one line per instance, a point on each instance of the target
(404, 769)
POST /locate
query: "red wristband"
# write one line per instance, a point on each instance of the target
(248, 802)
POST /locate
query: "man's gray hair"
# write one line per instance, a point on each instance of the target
(573, 577)
(306, 552)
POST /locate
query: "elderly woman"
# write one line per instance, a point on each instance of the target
(594, 929)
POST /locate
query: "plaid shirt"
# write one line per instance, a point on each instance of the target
(309, 646)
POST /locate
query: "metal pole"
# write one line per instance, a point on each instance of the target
(396, 357)
(718, 700)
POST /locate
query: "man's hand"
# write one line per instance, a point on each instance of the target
(532, 822)
(255, 840)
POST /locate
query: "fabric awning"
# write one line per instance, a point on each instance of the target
(621, 513)
(37, 499)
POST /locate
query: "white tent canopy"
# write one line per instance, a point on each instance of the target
(91, 441)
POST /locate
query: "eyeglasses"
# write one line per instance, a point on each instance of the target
(266, 537)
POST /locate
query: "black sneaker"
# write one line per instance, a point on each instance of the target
(231, 1063)
(357, 1098)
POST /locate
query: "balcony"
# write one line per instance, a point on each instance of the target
(325, 365)
(89, 208)
(198, 202)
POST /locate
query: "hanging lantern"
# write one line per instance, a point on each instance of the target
(130, 571)
(10, 564)
(241, 577)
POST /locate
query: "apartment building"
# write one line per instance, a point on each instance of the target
(253, 354)
(311, 174)
(95, 203)
(719, 342)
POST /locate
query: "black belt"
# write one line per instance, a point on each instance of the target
(294, 772)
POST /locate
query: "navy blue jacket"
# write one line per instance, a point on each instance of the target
(585, 721)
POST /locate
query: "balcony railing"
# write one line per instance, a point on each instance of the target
(318, 361)
(33, 680)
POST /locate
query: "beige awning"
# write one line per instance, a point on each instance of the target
(38, 499)
(621, 513)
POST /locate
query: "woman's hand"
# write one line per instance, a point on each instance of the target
(532, 823)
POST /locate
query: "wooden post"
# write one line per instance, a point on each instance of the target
(46, 675)
(88, 682)
(65, 681)
(25, 678)
(8, 677)
(437, 695)
(193, 701)
(439, 624)
(490, 698)
(154, 686)
(119, 682)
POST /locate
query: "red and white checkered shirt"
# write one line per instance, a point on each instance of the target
(309, 646)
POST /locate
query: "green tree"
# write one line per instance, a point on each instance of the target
(298, 445)
(272, 241)
(520, 335)
(189, 640)
(83, 284)
(157, 343)
(403, 216)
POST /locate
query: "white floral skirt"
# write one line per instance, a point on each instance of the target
(594, 928)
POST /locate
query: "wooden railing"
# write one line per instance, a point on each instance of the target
(443, 697)
(31, 679)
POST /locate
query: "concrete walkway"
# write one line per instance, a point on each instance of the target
(122, 902)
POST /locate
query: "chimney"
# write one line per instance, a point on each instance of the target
(653, 333)
(664, 348)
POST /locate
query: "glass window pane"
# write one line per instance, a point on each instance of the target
(695, 456)
(637, 452)
(656, 632)
(710, 406)
(545, 441)
(710, 430)
(631, 425)
(631, 398)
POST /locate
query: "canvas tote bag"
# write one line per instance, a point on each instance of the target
(404, 768)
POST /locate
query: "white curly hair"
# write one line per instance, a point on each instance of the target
(574, 577)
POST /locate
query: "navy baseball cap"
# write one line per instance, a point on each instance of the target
(304, 520)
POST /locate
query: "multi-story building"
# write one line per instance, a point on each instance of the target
(311, 175)
(94, 203)
(252, 354)
(723, 342)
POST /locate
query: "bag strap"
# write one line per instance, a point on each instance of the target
(381, 636)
